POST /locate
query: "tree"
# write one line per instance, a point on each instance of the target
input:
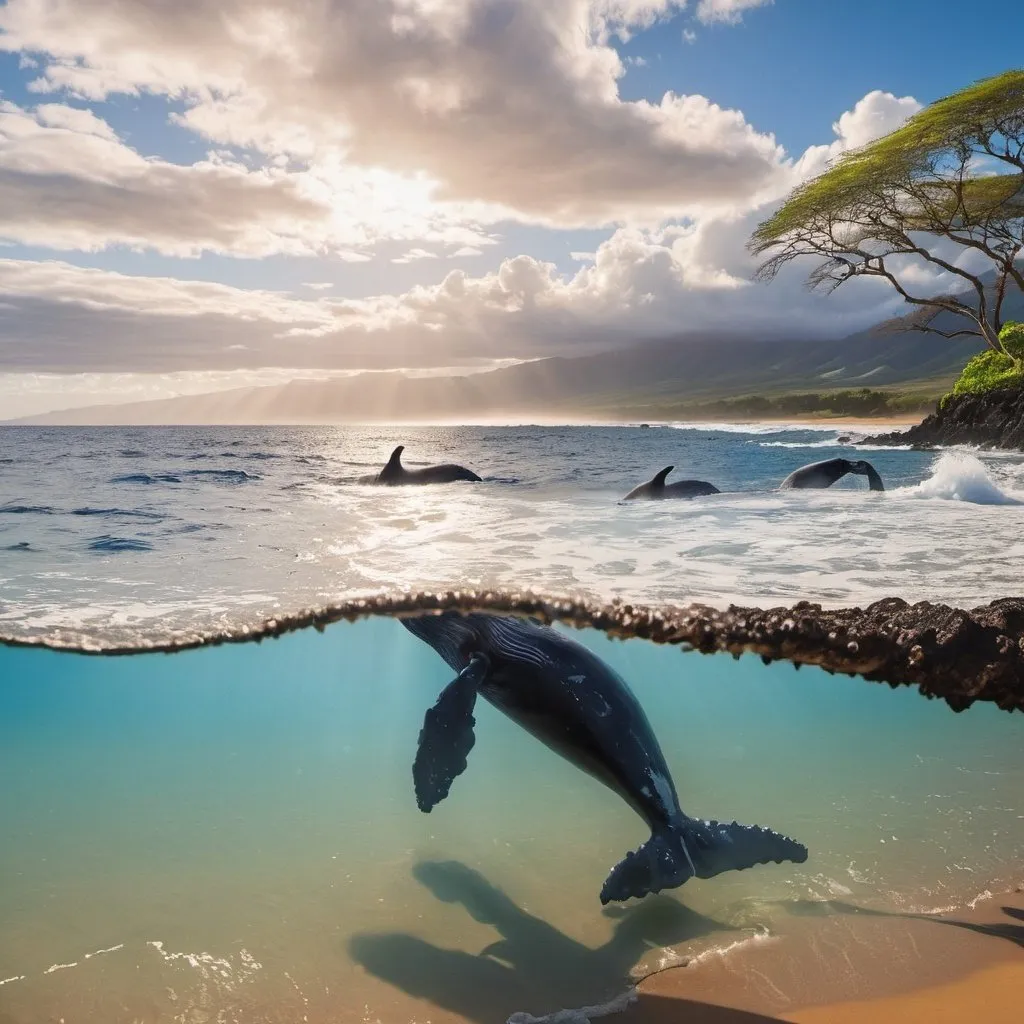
(953, 175)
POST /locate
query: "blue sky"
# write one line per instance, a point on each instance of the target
(536, 150)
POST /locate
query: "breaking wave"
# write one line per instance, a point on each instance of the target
(960, 477)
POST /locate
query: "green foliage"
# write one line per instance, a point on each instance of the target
(861, 177)
(866, 402)
(990, 370)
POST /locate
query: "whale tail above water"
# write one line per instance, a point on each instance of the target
(700, 849)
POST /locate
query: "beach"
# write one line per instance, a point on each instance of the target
(855, 967)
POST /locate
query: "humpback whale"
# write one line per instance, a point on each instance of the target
(566, 697)
(656, 488)
(825, 474)
(395, 474)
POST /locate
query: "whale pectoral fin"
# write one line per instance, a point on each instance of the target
(447, 736)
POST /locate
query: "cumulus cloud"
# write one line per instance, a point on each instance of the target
(873, 116)
(68, 182)
(510, 103)
(639, 283)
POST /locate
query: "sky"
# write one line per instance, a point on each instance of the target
(204, 194)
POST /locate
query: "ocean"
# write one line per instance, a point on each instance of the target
(121, 531)
(230, 833)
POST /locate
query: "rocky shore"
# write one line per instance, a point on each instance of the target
(992, 419)
(958, 655)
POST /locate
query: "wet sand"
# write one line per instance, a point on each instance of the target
(855, 966)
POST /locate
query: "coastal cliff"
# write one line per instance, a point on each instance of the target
(990, 419)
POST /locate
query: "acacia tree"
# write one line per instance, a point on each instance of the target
(954, 173)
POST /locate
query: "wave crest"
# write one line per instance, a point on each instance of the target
(960, 477)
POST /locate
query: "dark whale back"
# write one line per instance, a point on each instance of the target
(579, 707)
(564, 696)
(656, 489)
(395, 474)
(828, 471)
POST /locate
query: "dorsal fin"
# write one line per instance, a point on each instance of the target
(395, 462)
(659, 478)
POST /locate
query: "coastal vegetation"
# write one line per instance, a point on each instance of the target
(865, 403)
(945, 193)
(990, 370)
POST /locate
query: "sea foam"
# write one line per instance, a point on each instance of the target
(959, 477)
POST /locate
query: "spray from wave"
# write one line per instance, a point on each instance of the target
(959, 477)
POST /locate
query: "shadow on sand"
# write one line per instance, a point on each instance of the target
(1008, 930)
(533, 967)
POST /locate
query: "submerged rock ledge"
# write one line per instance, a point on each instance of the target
(957, 655)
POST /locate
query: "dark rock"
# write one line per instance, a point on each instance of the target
(993, 419)
(957, 655)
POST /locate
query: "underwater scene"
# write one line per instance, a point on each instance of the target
(232, 834)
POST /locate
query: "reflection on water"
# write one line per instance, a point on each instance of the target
(232, 834)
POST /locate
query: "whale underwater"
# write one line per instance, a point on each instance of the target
(575, 704)
(394, 474)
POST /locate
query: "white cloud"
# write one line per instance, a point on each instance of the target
(68, 182)
(638, 284)
(728, 11)
(413, 255)
(873, 116)
(689, 36)
(512, 104)
(466, 250)
(318, 286)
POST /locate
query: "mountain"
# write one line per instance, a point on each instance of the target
(644, 379)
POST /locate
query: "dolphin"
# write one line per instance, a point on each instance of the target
(395, 474)
(826, 473)
(656, 488)
(566, 697)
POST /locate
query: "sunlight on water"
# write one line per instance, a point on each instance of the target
(231, 834)
(97, 524)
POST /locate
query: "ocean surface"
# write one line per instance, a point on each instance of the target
(230, 834)
(122, 531)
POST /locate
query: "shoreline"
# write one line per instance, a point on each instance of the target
(867, 422)
(854, 966)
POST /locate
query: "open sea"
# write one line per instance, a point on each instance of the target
(230, 834)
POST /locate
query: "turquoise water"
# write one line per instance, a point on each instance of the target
(230, 834)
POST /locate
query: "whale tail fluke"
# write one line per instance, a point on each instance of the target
(679, 852)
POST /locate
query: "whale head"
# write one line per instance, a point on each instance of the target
(451, 634)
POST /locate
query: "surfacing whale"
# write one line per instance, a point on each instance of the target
(826, 473)
(395, 474)
(576, 705)
(656, 488)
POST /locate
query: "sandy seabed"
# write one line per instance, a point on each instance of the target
(853, 966)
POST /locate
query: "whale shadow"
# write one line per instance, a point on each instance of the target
(1008, 930)
(533, 966)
